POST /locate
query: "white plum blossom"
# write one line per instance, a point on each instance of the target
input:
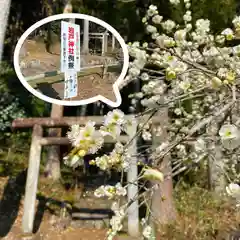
(188, 16)
(222, 72)
(228, 131)
(76, 134)
(147, 136)
(228, 33)
(113, 130)
(230, 136)
(73, 161)
(114, 117)
(168, 25)
(236, 22)
(116, 223)
(178, 111)
(236, 50)
(147, 232)
(158, 90)
(174, 2)
(130, 126)
(144, 76)
(180, 35)
(181, 150)
(160, 40)
(202, 26)
(220, 39)
(87, 140)
(188, 27)
(116, 220)
(233, 190)
(152, 11)
(110, 191)
(102, 162)
(100, 192)
(73, 133)
(192, 73)
(136, 44)
(157, 19)
(145, 45)
(187, 5)
(216, 82)
(185, 85)
(144, 20)
(151, 29)
(134, 72)
(120, 191)
(155, 35)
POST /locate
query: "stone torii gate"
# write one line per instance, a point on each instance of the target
(35, 157)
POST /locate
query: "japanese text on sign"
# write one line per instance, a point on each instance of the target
(70, 57)
(70, 84)
(70, 46)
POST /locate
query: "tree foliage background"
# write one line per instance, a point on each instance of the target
(125, 16)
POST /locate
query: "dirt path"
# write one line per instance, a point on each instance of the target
(47, 226)
(34, 60)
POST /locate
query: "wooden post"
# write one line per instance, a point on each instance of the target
(32, 180)
(105, 42)
(113, 43)
(133, 211)
(86, 37)
(105, 69)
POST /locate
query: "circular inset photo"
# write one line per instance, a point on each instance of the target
(72, 59)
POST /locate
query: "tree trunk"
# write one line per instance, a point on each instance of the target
(49, 42)
(52, 169)
(48, 38)
(217, 181)
(163, 207)
(216, 177)
(5, 6)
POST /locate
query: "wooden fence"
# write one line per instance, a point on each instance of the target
(57, 76)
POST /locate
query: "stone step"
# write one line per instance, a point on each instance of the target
(98, 224)
(89, 215)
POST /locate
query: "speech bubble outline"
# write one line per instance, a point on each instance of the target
(79, 102)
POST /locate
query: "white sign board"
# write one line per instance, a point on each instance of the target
(70, 84)
(70, 57)
(70, 47)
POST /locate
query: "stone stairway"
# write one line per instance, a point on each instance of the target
(90, 211)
